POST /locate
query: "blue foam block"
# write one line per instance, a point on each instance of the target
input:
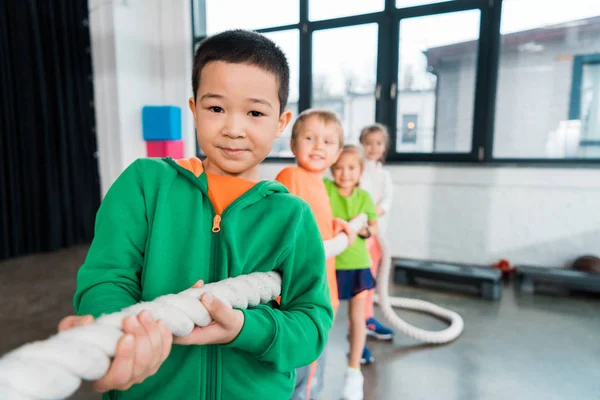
(161, 123)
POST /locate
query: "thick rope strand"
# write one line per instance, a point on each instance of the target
(53, 368)
(338, 244)
(386, 303)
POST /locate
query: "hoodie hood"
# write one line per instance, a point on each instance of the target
(193, 170)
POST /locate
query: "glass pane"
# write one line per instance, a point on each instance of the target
(244, 14)
(289, 41)
(199, 13)
(546, 108)
(412, 3)
(326, 9)
(589, 114)
(342, 81)
(436, 82)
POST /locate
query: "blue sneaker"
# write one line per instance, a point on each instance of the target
(378, 331)
(367, 357)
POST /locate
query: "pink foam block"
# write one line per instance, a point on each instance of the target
(165, 148)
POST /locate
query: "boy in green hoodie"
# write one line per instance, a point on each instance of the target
(166, 224)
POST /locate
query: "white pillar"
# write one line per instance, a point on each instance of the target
(142, 55)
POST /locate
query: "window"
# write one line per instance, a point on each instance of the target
(326, 9)
(546, 107)
(409, 128)
(454, 80)
(244, 14)
(436, 81)
(343, 83)
(412, 3)
(585, 104)
(288, 41)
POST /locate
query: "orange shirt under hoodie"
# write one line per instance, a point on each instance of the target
(310, 188)
(222, 190)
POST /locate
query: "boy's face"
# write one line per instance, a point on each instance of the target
(317, 146)
(237, 117)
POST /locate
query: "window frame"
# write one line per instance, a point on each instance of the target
(579, 61)
(389, 19)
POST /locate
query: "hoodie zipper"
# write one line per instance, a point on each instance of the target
(216, 224)
(213, 374)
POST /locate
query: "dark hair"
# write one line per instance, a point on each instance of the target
(244, 47)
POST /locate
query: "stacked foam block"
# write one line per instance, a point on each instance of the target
(161, 126)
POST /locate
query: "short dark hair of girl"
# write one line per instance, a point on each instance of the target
(240, 46)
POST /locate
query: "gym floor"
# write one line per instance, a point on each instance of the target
(524, 346)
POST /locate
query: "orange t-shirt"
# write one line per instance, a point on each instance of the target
(222, 190)
(310, 188)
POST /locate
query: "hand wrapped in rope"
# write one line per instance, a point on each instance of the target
(340, 242)
(53, 368)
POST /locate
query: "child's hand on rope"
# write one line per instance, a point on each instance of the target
(73, 321)
(339, 225)
(140, 352)
(226, 325)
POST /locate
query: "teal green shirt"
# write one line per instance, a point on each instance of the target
(356, 256)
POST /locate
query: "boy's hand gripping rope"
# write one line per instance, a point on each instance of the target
(53, 368)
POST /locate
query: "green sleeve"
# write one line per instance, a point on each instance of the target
(109, 279)
(329, 186)
(294, 334)
(369, 207)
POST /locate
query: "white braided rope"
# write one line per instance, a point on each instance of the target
(53, 368)
(386, 303)
(338, 244)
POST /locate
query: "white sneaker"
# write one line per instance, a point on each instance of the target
(353, 386)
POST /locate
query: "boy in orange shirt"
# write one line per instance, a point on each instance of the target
(317, 141)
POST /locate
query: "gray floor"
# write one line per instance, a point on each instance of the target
(522, 347)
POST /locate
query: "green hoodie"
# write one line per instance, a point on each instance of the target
(154, 236)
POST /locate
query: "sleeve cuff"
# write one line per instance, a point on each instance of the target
(257, 333)
(96, 304)
(97, 312)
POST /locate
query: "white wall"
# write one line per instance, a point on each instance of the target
(541, 216)
(142, 55)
